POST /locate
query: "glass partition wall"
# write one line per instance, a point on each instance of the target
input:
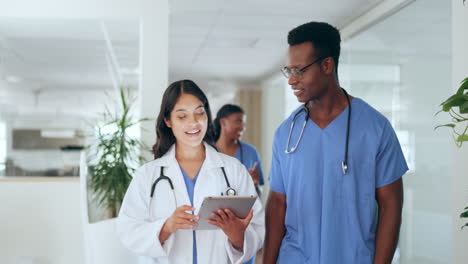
(56, 79)
(402, 67)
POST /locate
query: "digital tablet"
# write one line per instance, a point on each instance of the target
(239, 205)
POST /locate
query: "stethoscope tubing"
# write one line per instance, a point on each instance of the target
(344, 164)
(229, 192)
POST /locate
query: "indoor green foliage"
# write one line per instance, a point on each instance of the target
(115, 155)
(464, 215)
(457, 106)
(458, 101)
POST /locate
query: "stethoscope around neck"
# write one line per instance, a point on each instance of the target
(229, 191)
(344, 163)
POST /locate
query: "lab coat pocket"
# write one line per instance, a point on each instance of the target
(356, 184)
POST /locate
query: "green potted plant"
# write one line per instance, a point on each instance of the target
(457, 107)
(114, 155)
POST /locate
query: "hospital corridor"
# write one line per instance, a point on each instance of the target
(214, 131)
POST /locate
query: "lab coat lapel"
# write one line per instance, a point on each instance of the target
(213, 157)
(208, 177)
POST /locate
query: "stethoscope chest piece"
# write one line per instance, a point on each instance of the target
(231, 192)
(344, 166)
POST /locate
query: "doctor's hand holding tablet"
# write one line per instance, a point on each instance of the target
(223, 218)
(231, 225)
(180, 219)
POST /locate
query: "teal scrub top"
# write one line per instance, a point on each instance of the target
(247, 154)
(332, 217)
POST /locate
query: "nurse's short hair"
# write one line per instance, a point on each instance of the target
(325, 38)
(225, 111)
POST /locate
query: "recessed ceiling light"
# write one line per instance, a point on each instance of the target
(57, 133)
(130, 71)
(254, 43)
(13, 79)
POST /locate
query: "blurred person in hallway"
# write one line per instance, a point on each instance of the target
(229, 126)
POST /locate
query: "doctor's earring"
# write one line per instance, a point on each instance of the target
(168, 123)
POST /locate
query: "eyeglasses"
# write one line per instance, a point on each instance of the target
(295, 72)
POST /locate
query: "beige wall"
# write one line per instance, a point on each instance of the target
(251, 101)
(273, 107)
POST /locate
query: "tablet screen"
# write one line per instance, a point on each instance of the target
(239, 205)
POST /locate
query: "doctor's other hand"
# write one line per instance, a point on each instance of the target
(180, 219)
(233, 226)
(254, 173)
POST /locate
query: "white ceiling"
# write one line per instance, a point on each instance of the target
(244, 39)
(63, 64)
(209, 39)
(64, 54)
(54, 67)
(423, 27)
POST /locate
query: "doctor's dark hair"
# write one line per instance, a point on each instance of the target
(164, 136)
(325, 38)
(225, 111)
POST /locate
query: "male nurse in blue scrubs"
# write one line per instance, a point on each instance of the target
(317, 211)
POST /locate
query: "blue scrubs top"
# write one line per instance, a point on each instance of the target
(331, 217)
(247, 154)
(190, 184)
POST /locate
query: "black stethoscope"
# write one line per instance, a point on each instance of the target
(229, 191)
(344, 163)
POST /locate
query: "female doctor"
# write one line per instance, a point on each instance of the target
(162, 201)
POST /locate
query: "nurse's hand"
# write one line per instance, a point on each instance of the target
(254, 173)
(233, 226)
(180, 219)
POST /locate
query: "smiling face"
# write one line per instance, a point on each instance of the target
(233, 125)
(188, 120)
(313, 82)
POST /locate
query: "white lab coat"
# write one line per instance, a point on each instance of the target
(140, 220)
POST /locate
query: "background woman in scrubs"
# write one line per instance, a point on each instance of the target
(229, 126)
